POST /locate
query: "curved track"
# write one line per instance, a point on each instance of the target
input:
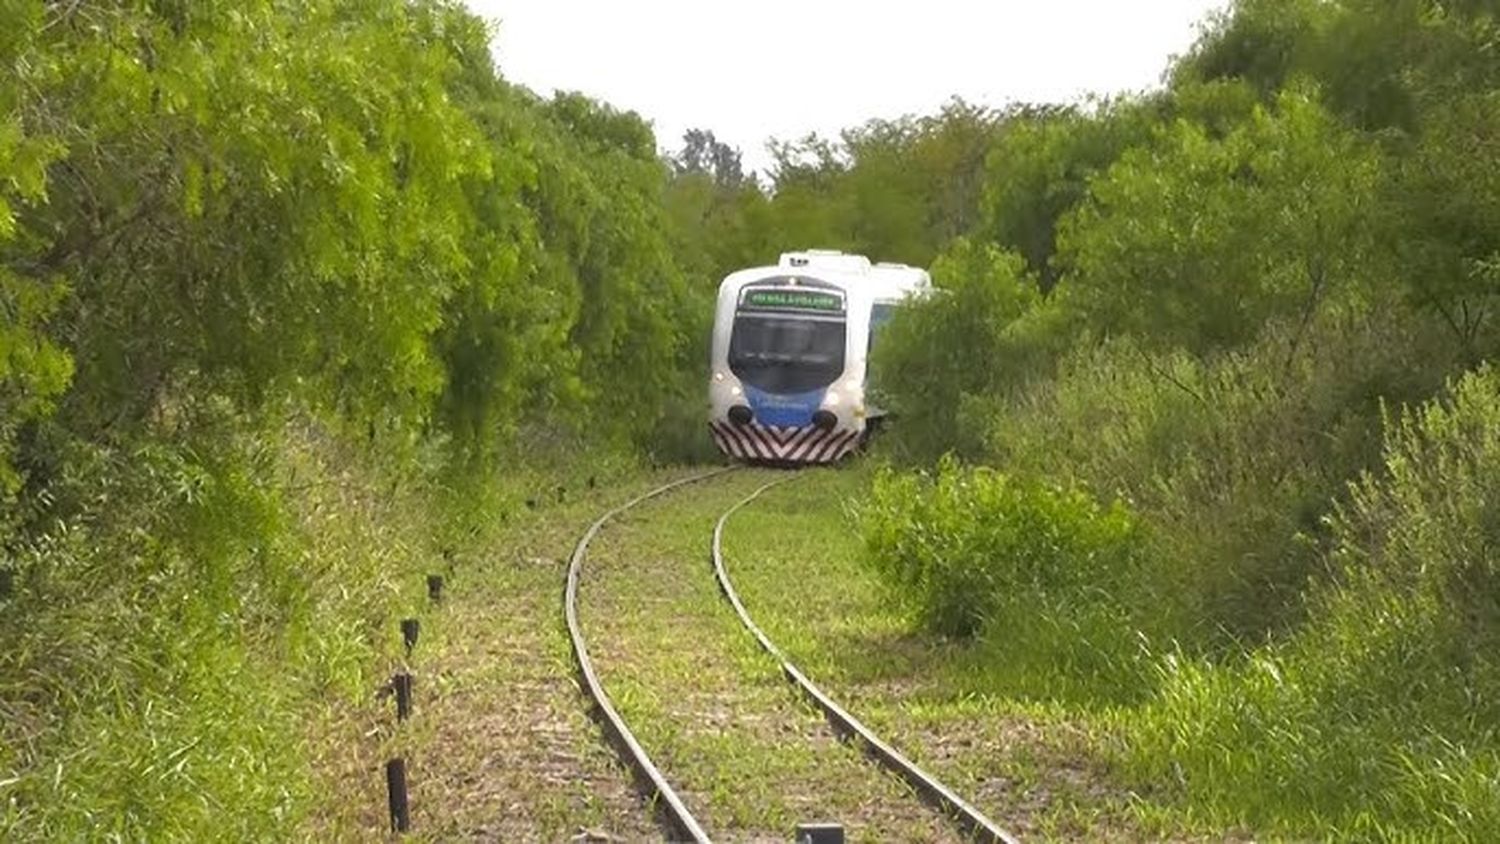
(971, 819)
(677, 816)
(675, 813)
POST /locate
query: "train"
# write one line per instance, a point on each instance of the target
(791, 353)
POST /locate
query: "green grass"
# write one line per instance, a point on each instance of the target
(1040, 769)
(501, 746)
(1374, 722)
(749, 757)
(195, 656)
(179, 660)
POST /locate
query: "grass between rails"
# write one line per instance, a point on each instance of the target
(747, 755)
(1040, 770)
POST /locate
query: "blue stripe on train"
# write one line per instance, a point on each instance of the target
(784, 410)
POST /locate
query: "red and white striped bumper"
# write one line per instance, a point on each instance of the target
(792, 444)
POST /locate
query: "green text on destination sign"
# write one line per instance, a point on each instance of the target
(801, 300)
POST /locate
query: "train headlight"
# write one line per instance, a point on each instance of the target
(718, 376)
(734, 390)
(832, 399)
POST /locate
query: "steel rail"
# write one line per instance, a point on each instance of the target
(677, 815)
(979, 827)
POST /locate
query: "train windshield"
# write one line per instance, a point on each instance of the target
(782, 354)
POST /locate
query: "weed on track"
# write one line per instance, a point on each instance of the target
(794, 558)
(746, 754)
(507, 751)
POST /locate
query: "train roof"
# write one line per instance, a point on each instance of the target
(882, 280)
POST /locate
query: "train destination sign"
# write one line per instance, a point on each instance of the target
(784, 299)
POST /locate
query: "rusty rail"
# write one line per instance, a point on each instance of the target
(676, 815)
(973, 822)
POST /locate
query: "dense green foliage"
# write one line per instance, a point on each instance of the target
(296, 297)
(971, 551)
(288, 291)
(356, 213)
(985, 294)
(1376, 719)
(1258, 291)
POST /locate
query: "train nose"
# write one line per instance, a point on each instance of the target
(740, 415)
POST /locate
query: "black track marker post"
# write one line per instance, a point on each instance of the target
(410, 629)
(395, 785)
(819, 833)
(401, 682)
(435, 588)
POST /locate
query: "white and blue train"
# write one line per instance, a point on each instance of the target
(791, 350)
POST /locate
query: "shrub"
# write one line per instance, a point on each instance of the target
(1045, 574)
(1200, 237)
(936, 355)
(1232, 461)
(1377, 718)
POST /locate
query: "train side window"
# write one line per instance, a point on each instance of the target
(880, 314)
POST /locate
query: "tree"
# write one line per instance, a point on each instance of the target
(937, 354)
(1260, 42)
(1039, 168)
(1197, 241)
(703, 153)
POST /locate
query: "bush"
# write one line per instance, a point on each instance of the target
(936, 355)
(1048, 575)
(1378, 718)
(1232, 461)
(198, 604)
(1200, 237)
(209, 215)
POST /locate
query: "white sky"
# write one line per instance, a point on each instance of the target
(782, 68)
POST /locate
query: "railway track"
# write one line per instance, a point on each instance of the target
(678, 819)
(675, 815)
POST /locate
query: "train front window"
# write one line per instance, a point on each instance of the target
(786, 354)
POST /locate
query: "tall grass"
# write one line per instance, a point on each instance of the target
(1233, 462)
(1379, 717)
(1297, 631)
(174, 638)
(1045, 576)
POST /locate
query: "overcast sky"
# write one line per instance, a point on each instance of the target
(782, 68)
